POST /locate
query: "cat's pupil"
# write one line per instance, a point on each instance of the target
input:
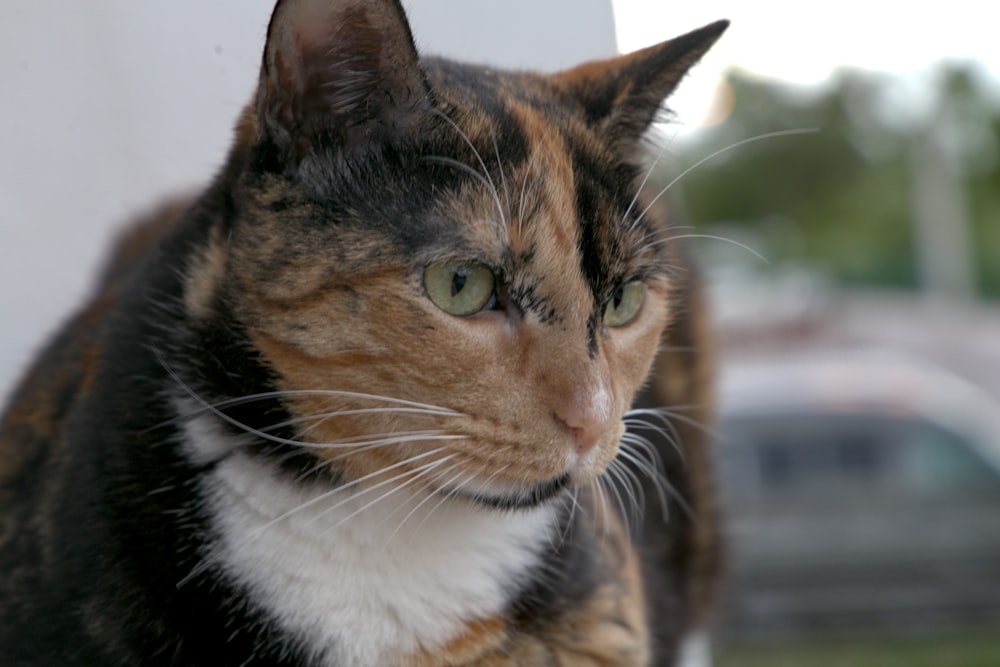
(458, 280)
(616, 299)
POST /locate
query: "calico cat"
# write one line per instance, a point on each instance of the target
(364, 400)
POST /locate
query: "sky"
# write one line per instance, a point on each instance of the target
(805, 42)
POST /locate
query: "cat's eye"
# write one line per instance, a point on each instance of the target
(458, 287)
(624, 304)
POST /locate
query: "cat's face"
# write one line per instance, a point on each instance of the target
(446, 269)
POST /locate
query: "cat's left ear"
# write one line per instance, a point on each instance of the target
(623, 95)
(339, 74)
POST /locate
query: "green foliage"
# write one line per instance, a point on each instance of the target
(842, 197)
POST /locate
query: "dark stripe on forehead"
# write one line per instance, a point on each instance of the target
(591, 246)
(594, 326)
(602, 195)
(603, 189)
(591, 241)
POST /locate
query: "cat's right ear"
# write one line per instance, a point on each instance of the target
(622, 96)
(340, 75)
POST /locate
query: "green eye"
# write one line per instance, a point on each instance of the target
(624, 304)
(459, 287)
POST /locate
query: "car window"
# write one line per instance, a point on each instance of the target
(827, 454)
(935, 461)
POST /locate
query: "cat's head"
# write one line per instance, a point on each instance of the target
(445, 268)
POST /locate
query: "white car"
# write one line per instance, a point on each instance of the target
(859, 491)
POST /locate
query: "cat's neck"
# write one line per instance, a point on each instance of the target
(373, 578)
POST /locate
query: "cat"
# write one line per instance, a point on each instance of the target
(364, 400)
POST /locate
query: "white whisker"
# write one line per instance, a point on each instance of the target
(479, 158)
(645, 179)
(355, 482)
(608, 479)
(759, 137)
(599, 525)
(524, 190)
(666, 414)
(431, 495)
(660, 481)
(421, 471)
(332, 393)
(632, 486)
(570, 500)
(376, 442)
(503, 177)
(710, 237)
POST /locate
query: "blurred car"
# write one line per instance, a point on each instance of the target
(860, 493)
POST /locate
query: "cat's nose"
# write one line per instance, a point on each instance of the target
(587, 418)
(586, 436)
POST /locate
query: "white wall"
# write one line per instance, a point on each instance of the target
(108, 105)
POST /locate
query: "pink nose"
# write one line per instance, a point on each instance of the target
(585, 436)
(587, 419)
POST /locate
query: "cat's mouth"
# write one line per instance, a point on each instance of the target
(522, 498)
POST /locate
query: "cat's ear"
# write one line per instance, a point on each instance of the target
(623, 95)
(339, 74)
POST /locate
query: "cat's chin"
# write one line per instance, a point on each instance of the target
(526, 497)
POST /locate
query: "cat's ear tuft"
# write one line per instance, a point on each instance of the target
(339, 74)
(623, 95)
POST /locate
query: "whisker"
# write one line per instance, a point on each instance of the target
(458, 164)
(363, 446)
(633, 486)
(431, 495)
(323, 417)
(660, 481)
(267, 436)
(421, 470)
(665, 414)
(710, 237)
(455, 490)
(608, 478)
(479, 158)
(368, 442)
(503, 177)
(335, 393)
(642, 443)
(645, 179)
(743, 142)
(599, 524)
(215, 409)
(572, 501)
(344, 487)
(327, 463)
(524, 190)
(668, 432)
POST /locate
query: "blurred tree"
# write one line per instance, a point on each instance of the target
(843, 194)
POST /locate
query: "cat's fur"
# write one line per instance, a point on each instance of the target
(261, 443)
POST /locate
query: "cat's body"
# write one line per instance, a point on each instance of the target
(272, 438)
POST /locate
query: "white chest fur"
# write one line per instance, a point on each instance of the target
(368, 588)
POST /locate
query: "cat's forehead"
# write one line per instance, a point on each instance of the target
(557, 187)
(522, 114)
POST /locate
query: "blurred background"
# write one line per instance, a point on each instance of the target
(837, 170)
(841, 185)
